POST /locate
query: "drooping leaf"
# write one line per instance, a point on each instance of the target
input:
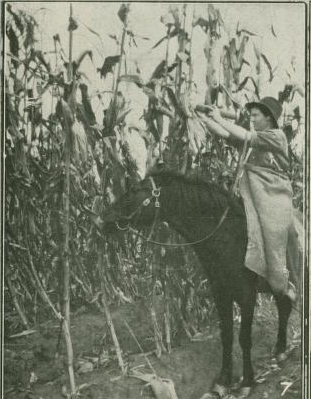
(132, 78)
(31, 23)
(17, 19)
(273, 32)
(296, 112)
(246, 62)
(38, 54)
(160, 70)
(203, 23)
(93, 32)
(121, 115)
(268, 65)
(172, 97)
(64, 113)
(108, 65)
(258, 56)
(13, 44)
(241, 51)
(114, 37)
(133, 36)
(76, 63)
(243, 83)
(123, 12)
(137, 68)
(173, 33)
(219, 17)
(284, 94)
(87, 105)
(247, 32)
(149, 93)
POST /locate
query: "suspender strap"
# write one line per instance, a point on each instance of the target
(246, 152)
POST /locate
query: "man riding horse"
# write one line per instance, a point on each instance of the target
(273, 248)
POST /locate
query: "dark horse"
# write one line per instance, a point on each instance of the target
(193, 208)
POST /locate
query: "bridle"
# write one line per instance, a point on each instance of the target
(155, 195)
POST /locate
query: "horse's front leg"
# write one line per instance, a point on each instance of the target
(284, 306)
(245, 337)
(224, 305)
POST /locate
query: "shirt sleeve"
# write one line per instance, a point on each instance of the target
(273, 140)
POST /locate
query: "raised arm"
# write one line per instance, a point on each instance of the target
(232, 130)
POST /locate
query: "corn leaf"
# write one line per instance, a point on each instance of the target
(174, 33)
(203, 23)
(133, 79)
(17, 19)
(108, 65)
(87, 107)
(13, 44)
(268, 65)
(243, 83)
(160, 70)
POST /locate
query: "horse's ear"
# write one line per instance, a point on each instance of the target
(158, 166)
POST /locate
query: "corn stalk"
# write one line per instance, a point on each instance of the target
(66, 229)
(182, 43)
(107, 313)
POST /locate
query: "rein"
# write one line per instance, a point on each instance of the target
(155, 193)
(166, 244)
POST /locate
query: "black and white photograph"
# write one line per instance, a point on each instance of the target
(155, 181)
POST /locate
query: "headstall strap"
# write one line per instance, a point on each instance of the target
(155, 192)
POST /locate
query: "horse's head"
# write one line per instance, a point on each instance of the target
(136, 208)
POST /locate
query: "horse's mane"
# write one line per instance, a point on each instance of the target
(196, 179)
(199, 184)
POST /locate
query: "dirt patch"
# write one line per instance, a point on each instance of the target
(192, 366)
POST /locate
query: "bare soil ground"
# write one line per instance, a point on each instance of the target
(192, 365)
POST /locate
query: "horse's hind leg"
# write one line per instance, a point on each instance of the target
(284, 306)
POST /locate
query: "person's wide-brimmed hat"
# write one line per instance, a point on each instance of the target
(270, 104)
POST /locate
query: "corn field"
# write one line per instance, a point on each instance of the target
(69, 154)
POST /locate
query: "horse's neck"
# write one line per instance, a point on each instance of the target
(190, 212)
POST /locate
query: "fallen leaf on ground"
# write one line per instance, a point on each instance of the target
(86, 367)
(163, 388)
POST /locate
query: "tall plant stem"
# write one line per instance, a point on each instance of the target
(181, 49)
(69, 71)
(108, 314)
(120, 63)
(61, 319)
(190, 78)
(166, 56)
(66, 266)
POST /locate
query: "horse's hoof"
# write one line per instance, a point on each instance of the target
(221, 390)
(281, 357)
(244, 392)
